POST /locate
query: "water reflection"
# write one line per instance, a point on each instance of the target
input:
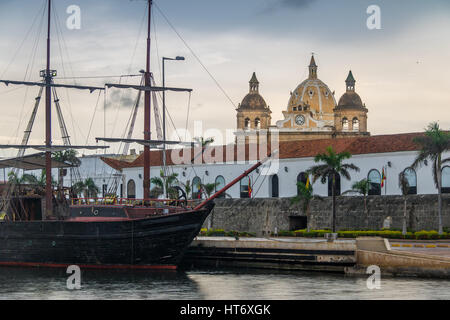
(26, 283)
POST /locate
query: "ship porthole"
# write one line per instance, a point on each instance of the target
(95, 212)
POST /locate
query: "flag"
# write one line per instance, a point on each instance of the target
(200, 190)
(383, 178)
(249, 187)
(307, 183)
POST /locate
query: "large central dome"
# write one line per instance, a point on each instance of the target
(313, 93)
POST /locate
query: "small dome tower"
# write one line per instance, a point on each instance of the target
(351, 114)
(253, 112)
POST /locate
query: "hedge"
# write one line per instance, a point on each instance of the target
(390, 234)
(223, 233)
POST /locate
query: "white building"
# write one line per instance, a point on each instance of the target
(391, 153)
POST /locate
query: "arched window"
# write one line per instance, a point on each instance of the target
(345, 124)
(245, 190)
(131, 189)
(374, 178)
(303, 178)
(247, 123)
(411, 177)
(355, 124)
(446, 180)
(257, 123)
(220, 184)
(274, 186)
(196, 188)
(338, 185)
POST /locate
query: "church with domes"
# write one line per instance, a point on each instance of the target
(311, 113)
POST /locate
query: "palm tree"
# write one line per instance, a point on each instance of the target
(78, 188)
(332, 167)
(305, 195)
(68, 156)
(204, 142)
(14, 178)
(187, 188)
(404, 186)
(164, 182)
(209, 188)
(432, 146)
(362, 187)
(90, 188)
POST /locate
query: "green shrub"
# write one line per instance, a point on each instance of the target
(389, 234)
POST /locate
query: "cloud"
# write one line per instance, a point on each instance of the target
(121, 97)
(275, 5)
(295, 3)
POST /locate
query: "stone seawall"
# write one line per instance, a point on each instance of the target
(267, 215)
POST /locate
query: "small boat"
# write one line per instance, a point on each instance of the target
(138, 234)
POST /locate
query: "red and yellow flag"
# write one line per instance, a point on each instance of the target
(249, 187)
(383, 178)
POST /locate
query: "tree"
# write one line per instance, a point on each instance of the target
(361, 187)
(68, 156)
(209, 188)
(204, 142)
(90, 188)
(164, 182)
(29, 179)
(305, 195)
(87, 188)
(78, 188)
(333, 166)
(404, 186)
(187, 188)
(432, 145)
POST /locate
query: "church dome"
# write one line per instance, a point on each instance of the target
(313, 94)
(350, 98)
(253, 100)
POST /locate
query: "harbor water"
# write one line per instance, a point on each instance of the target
(29, 283)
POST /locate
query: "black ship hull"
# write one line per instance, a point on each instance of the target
(154, 242)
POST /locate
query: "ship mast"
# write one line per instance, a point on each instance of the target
(48, 127)
(147, 110)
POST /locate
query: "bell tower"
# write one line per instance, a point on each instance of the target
(350, 116)
(253, 112)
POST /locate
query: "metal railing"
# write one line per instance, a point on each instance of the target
(130, 202)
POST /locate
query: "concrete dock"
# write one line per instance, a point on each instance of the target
(352, 257)
(272, 253)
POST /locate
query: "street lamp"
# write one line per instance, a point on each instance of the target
(177, 58)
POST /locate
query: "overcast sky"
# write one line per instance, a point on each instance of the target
(401, 70)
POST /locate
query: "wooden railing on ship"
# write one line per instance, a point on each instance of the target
(131, 202)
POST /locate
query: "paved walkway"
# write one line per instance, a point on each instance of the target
(283, 239)
(431, 248)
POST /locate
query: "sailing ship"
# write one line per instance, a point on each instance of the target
(149, 234)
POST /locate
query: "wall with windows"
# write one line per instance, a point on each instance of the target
(288, 170)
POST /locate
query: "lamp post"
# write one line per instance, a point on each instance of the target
(178, 58)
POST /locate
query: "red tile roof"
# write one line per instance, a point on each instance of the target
(291, 149)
